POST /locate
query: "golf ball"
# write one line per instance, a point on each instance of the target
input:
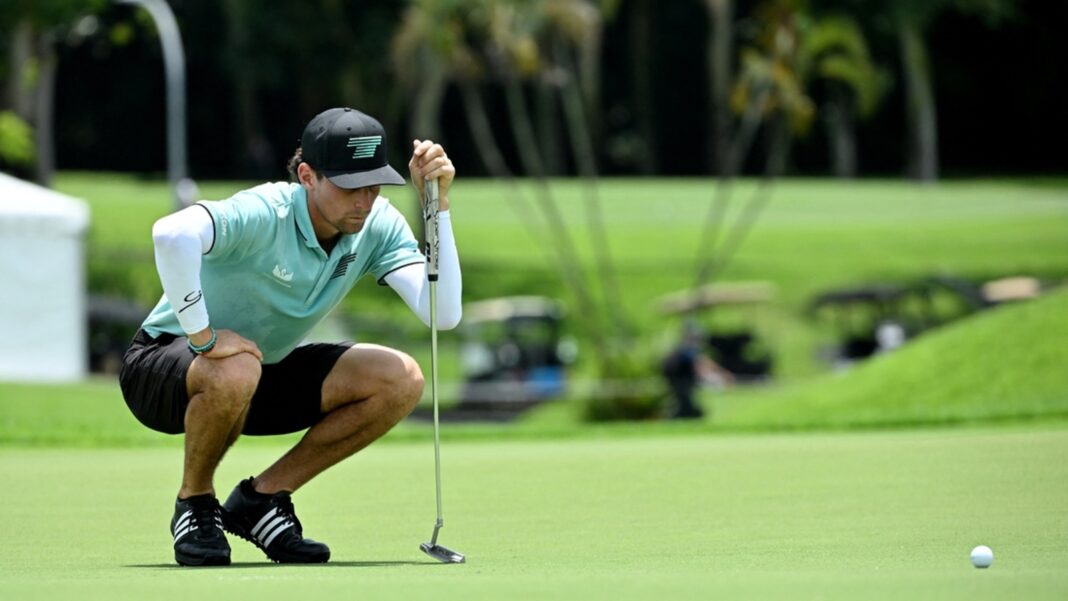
(982, 556)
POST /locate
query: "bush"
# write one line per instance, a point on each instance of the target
(16, 141)
(630, 388)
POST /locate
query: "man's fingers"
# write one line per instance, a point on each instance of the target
(255, 351)
(443, 172)
(231, 343)
(419, 147)
(250, 347)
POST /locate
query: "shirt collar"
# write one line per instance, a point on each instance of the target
(304, 224)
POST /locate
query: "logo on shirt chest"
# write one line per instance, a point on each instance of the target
(282, 275)
(343, 265)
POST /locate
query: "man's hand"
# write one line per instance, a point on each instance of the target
(227, 344)
(429, 161)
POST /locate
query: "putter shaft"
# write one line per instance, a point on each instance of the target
(430, 221)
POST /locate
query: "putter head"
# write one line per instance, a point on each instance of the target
(442, 554)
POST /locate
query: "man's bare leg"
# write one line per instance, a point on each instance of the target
(369, 390)
(219, 394)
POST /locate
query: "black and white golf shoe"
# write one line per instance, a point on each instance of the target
(198, 532)
(269, 522)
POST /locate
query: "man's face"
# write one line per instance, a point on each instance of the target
(338, 209)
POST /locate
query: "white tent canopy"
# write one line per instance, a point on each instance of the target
(42, 283)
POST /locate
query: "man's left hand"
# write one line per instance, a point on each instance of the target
(429, 161)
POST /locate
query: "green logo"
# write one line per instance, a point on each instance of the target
(364, 147)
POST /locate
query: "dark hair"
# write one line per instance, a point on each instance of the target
(294, 163)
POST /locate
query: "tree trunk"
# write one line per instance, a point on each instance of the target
(44, 101)
(737, 150)
(779, 145)
(841, 133)
(582, 148)
(19, 90)
(426, 108)
(254, 149)
(920, 107)
(567, 253)
(549, 126)
(720, 40)
(489, 152)
(641, 50)
(482, 132)
(589, 80)
(526, 141)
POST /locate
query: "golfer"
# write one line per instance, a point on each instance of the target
(244, 280)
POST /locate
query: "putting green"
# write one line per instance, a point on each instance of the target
(829, 516)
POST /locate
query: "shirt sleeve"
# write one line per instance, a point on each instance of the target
(397, 247)
(410, 281)
(243, 225)
(180, 239)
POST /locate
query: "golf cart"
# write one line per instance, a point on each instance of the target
(867, 319)
(513, 354)
(875, 318)
(736, 348)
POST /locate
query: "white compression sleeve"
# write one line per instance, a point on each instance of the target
(180, 239)
(411, 284)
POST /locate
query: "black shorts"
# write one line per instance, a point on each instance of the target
(288, 398)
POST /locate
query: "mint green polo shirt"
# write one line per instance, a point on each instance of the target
(266, 277)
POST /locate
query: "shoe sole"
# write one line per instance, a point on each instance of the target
(200, 562)
(240, 532)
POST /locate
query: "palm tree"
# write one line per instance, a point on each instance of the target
(911, 19)
(718, 53)
(515, 57)
(833, 51)
(768, 91)
(531, 49)
(32, 63)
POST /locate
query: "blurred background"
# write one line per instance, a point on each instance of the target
(960, 87)
(715, 209)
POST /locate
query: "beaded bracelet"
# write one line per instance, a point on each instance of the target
(207, 346)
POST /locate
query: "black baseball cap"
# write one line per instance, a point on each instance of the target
(349, 148)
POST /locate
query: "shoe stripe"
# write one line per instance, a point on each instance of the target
(277, 522)
(183, 520)
(286, 526)
(263, 520)
(178, 535)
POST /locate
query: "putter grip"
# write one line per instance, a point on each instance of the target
(430, 227)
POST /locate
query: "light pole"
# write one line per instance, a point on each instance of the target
(182, 186)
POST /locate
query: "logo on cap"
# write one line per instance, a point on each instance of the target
(364, 146)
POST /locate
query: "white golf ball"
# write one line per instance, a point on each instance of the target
(982, 556)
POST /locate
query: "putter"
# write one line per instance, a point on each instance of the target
(430, 221)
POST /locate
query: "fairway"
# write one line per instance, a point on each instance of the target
(829, 516)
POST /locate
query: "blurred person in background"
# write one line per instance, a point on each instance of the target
(686, 367)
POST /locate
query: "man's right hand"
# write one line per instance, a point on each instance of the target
(227, 344)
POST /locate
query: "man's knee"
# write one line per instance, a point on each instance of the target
(404, 382)
(233, 379)
(411, 382)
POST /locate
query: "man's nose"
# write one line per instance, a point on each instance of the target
(363, 199)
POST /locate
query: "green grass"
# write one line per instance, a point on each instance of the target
(1007, 363)
(814, 235)
(1000, 365)
(832, 516)
(553, 509)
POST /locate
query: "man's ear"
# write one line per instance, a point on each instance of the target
(306, 175)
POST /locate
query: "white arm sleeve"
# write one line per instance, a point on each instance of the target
(180, 239)
(411, 283)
